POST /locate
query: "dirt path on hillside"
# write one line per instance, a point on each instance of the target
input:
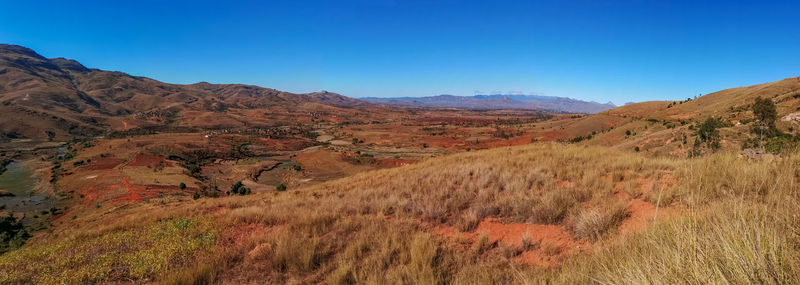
(132, 196)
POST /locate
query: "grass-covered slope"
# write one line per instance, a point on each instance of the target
(528, 214)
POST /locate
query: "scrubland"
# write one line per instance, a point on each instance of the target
(537, 213)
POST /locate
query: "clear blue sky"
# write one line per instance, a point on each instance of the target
(594, 50)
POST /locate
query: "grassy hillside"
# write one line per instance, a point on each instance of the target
(526, 214)
(667, 128)
(729, 103)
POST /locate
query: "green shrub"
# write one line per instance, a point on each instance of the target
(782, 143)
(12, 234)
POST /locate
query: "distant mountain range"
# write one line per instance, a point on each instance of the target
(498, 101)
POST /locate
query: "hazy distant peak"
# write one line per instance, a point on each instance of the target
(499, 101)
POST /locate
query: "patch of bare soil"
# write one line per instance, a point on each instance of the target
(539, 245)
(103, 163)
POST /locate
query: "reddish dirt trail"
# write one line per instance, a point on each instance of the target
(124, 126)
(132, 196)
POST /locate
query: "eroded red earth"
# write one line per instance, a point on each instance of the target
(549, 245)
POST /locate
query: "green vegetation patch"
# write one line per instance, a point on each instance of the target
(12, 234)
(141, 253)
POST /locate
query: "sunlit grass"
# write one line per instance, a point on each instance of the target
(145, 252)
(736, 223)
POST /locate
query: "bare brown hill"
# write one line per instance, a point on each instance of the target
(60, 98)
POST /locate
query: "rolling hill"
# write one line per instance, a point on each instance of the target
(61, 98)
(668, 127)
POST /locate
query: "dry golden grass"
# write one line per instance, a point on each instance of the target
(594, 223)
(736, 223)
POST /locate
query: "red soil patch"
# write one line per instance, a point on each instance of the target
(132, 196)
(646, 185)
(393, 162)
(91, 194)
(548, 244)
(148, 160)
(667, 180)
(642, 214)
(449, 232)
(139, 192)
(103, 163)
